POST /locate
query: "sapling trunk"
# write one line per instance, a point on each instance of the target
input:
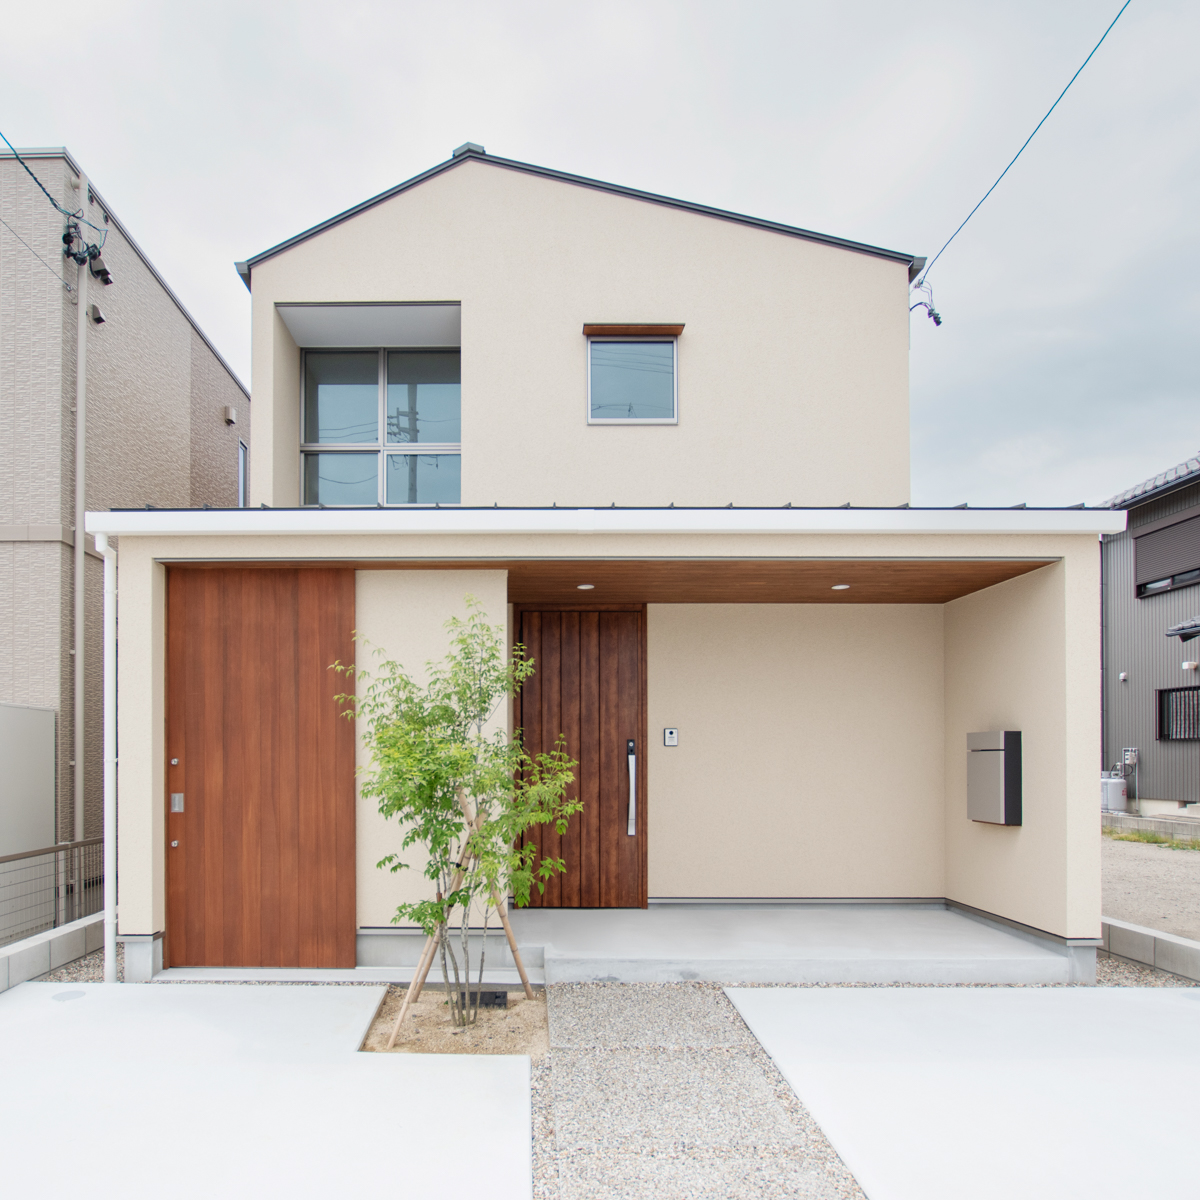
(483, 951)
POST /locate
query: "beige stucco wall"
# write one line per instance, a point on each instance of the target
(1025, 655)
(793, 366)
(141, 740)
(404, 614)
(812, 759)
(810, 750)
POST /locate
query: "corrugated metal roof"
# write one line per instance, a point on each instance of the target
(1187, 471)
(472, 153)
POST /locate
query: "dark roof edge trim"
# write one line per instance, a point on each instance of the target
(63, 153)
(245, 268)
(1155, 493)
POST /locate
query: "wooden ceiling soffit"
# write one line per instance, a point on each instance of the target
(717, 581)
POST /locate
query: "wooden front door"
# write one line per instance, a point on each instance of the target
(260, 861)
(589, 686)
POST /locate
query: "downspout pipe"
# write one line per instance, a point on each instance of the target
(110, 757)
(79, 730)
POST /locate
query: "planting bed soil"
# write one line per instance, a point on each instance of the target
(518, 1029)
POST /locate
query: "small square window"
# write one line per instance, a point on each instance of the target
(1179, 714)
(632, 382)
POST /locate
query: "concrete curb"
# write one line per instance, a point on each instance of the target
(1176, 828)
(47, 951)
(1152, 948)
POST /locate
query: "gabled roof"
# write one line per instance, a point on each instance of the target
(473, 153)
(1180, 476)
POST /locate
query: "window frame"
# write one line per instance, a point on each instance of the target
(656, 339)
(381, 447)
(1162, 731)
(243, 483)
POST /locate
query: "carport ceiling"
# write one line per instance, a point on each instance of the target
(723, 581)
(756, 581)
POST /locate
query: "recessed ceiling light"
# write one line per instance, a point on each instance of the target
(840, 587)
(585, 587)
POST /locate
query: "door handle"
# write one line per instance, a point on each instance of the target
(631, 754)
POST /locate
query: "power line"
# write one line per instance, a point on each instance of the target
(925, 273)
(35, 253)
(66, 212)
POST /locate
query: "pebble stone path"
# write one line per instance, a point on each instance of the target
(660, 1090)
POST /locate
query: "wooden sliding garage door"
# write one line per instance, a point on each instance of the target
(260, 768)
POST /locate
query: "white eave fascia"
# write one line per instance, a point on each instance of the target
(527, 521)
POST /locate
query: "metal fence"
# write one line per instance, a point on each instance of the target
(42, 889)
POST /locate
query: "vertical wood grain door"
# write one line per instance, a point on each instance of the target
(589, 685)
(260, 861)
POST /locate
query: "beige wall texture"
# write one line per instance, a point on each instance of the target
(810, 750)
(141, 739)
(1026, 655)
(793, 366)
(822, 747)
(404, 615)
(155, 434)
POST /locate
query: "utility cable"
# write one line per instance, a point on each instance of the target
(35, 254)
(66, 212)
(925, 273)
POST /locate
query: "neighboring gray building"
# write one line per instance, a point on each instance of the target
(1151, 581)
(167, 424)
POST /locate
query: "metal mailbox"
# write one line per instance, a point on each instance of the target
(994, 777)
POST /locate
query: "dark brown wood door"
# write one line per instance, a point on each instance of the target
(260, 862)
(589, 686)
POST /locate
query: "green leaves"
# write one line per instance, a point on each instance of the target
(467, 795)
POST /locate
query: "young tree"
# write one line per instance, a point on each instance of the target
(467, 796)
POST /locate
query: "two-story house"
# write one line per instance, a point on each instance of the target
(110, 395)
(1151, 573)
(667, 447)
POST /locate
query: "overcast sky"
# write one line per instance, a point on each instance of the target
(1067, 367)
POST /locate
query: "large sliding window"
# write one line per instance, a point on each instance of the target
(382, 427)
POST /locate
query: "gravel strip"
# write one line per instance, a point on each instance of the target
(660, 1090)
(88, 969)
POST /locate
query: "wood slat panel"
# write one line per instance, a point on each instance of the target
(529, 717)
(611, 760)
(572, 842)
(264, 871)
(728, 581)
(629, 708)
(589, 685)
(587, 775)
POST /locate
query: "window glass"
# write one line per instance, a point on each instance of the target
(341, 397)
(243, 475)
(341, 478)
(1179, 714)
(424, 397)
(632, 381)
(423, 479)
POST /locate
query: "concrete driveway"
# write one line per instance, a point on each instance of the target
(195, 1090)
(994, 1093)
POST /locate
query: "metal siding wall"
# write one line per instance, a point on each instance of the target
(1134, 642)
(1168, 506)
